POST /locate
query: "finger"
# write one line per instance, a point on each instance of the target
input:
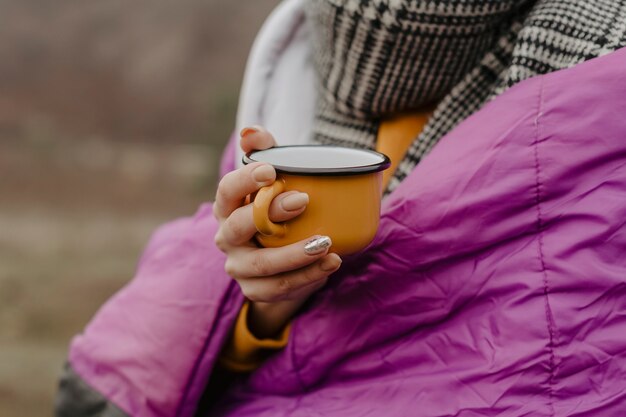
(254, 262)
(291, 285)
(256, 138)
(236, 185)
(306, 290)
(288, 205)
(239, 228)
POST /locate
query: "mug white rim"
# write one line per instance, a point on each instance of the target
(383, 164)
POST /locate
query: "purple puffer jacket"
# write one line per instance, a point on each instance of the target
(496, 285)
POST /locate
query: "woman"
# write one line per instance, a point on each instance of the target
(496, 283)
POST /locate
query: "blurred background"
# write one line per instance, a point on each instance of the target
(113, 115)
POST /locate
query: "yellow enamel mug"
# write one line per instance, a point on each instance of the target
(344, 187)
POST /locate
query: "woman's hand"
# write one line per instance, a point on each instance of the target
(276, 280)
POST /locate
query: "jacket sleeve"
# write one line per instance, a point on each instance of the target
(77, 399)
(150, 349)
(243, 351)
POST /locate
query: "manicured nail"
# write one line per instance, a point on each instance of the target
(248, 131)
(294, 201)
(263, 173)
(330, 263)
(317, 245)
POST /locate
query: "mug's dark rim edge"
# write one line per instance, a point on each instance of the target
(361, 169)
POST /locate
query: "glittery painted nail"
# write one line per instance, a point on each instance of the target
(317, 245)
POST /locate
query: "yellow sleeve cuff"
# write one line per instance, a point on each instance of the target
(244, 352)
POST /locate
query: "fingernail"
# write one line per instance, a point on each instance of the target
(294, 202)
(263, 173)
(330, 263)
(248, 131)
(317, 245)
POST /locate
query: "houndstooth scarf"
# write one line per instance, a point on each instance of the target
(379, 57)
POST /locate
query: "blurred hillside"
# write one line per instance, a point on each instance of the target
(140, 70)
(112, 118)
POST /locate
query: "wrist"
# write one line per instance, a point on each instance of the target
(267, 320)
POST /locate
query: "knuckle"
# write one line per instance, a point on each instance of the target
(226, 187)
(216, 209)
(228, 178)
(223, 193)
(313, 274)
(284, 287)
(260, 264)
(249, 293)
(236, 228)
(229, 267)
(220, 188)
(219, 240)
(254, 295)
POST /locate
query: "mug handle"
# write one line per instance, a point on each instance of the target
(261, 208)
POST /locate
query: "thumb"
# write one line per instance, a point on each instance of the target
(256, 138)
